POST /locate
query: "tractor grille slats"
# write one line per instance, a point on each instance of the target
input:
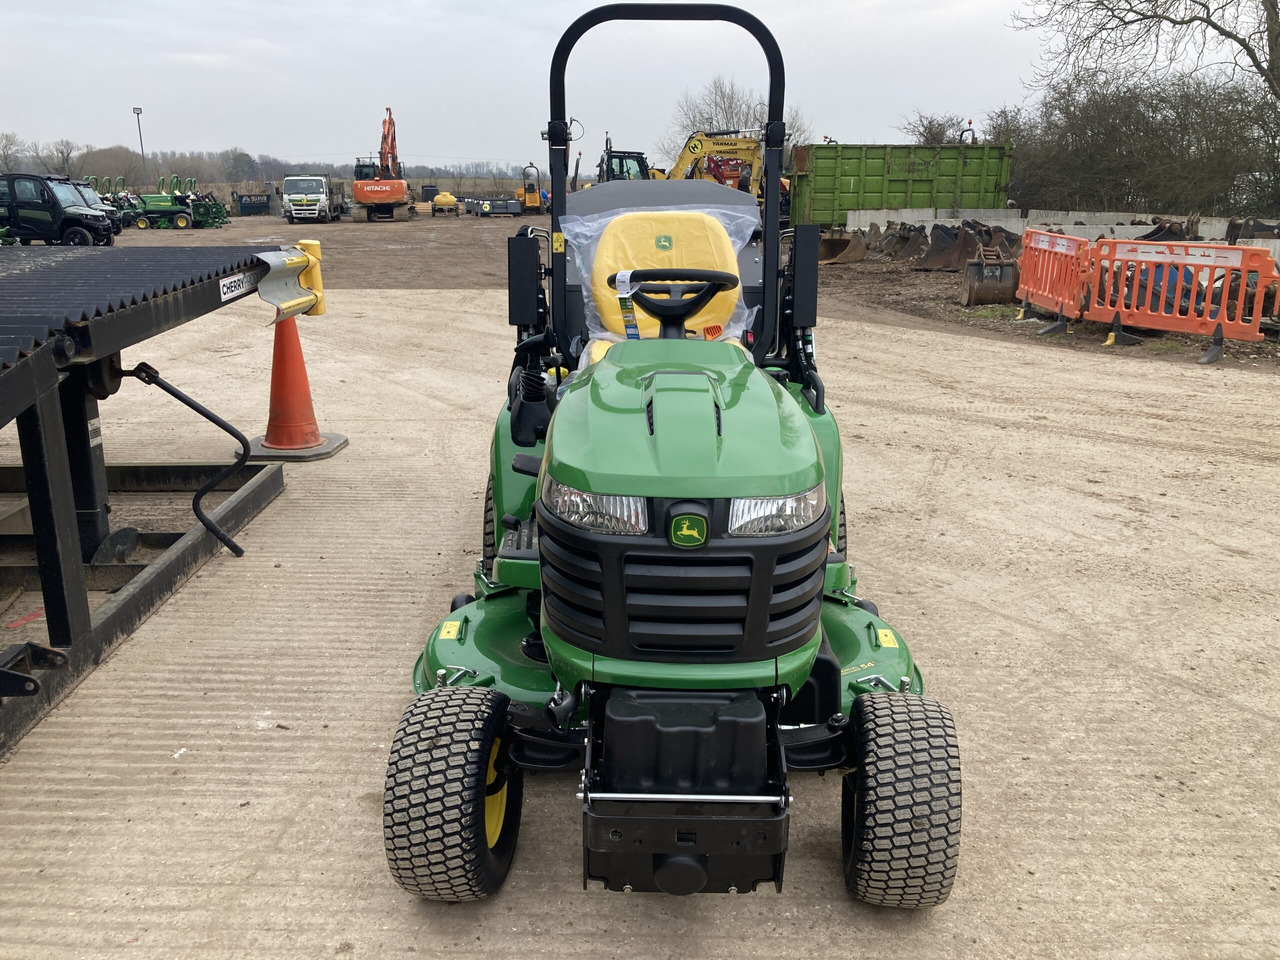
(732, 600)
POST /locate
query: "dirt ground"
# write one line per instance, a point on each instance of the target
(429, 253)
(1078, 545)
(470, 253)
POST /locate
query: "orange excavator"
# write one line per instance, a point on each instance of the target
(381, 191)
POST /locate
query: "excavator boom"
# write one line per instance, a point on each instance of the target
(388, 156)
(380, 191)
(741, 145)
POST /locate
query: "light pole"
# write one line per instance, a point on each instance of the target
(137, 112)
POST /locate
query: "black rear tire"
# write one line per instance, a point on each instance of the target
(842, 533)
(900, 810)
(489, 544)
(451, 808)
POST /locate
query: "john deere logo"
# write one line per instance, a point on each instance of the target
(688, 531)
(663, 241)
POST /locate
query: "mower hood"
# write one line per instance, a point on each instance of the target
(671, 418)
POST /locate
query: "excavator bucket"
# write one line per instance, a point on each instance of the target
(874, 238)
(846, 248)
(914, 246)
(894, 238)
(950, 248)
(989, 278)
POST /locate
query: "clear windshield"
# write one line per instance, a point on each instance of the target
(90, 195)
(304, 185)
(67, 195)
(626, 168)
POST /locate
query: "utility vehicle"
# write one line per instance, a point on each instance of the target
(95, 202)
(664, 603)
(51, 209)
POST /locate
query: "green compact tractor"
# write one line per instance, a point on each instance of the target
(664, 603)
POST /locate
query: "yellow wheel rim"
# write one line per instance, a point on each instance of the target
(142, 224)
(495, 804)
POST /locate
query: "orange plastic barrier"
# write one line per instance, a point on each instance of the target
(1053, 272)
(1182, 287)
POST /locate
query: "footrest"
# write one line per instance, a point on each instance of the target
(520, 543)
(517, 561)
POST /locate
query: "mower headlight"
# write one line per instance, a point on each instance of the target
(603, 513)
(763, 516)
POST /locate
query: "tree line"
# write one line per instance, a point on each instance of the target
(235, 165)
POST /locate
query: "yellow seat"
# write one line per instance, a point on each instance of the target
(645, 240)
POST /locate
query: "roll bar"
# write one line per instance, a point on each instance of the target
(558, 139)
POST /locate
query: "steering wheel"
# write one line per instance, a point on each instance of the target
(687, 292)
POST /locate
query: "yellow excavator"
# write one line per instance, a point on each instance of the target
(732, 157)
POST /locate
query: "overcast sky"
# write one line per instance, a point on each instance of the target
(468, 81)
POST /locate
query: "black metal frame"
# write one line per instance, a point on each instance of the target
(54, 368)
(558, 137)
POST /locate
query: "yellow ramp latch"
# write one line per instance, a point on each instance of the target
(293, 283)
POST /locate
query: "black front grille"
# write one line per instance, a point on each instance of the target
(732, 599)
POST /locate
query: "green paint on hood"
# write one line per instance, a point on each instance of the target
(720, 427)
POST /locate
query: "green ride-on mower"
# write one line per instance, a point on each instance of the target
(664, 604)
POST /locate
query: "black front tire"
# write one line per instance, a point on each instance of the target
(77, 237)
(451, 808)
(900, 810)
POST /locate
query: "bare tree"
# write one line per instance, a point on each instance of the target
(12, 150)
(724, 105)
(1007, 124)
(1156, 145)
(1161, 35)
(57, 157)
(112, 162)
(931, 128)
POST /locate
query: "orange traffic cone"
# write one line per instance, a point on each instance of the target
(292, 431)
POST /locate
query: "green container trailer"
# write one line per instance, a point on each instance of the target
(830, 179)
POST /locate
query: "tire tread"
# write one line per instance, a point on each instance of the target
(902, 843)
(433, 803)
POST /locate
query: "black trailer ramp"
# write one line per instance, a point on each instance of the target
(65, 315)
